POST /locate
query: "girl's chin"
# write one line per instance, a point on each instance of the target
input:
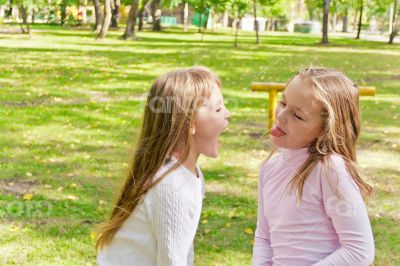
(276, 142)
(213, 151)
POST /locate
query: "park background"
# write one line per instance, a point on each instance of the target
(73, 86)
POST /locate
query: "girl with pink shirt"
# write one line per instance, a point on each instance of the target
(310, 198)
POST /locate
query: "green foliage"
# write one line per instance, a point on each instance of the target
(71, 106)
(314, 8)
(275, 8)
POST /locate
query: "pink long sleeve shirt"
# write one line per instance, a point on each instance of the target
(324, 229)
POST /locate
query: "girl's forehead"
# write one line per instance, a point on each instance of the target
(215, 97)
(216, 93)
(300, 94)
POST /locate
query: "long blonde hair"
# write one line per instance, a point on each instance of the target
(341, 126)
(170, 112)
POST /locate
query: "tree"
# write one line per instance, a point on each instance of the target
(312, 7)
(255, 20)
(141, 13)
(63, 9)
(239, 7)
(360, 12)
(325, 21)
(255, 5)
(99, 16)
(115, 13)
(340, 9)
(274, 10)
(185, 14)
(200, 7)
(106, 21)
(156, 14)
(24, 6)
(395, 21)
(130, 24)
(24, 14)
(345, 21)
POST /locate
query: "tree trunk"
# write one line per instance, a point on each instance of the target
(345, 22)
(360, 20)
(225, 19)
(8, 12)
(185, 15)
(33, 16)
(130, 24)
(391, 37)
(270, 22)
(200, 21)
(24, 15)
(355, 21)
(334, 22)
(63, 7)
(391, 19)
(234, 21)
(205, 25)
(395, 22)
(237, 32)
(255, 21)
(325, 22)
(156, 15)
(106, 20)
(98, 15)
(115, 14)
(141, 14)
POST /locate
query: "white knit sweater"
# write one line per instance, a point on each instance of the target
(160, 231)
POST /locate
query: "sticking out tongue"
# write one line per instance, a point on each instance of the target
(277, 132)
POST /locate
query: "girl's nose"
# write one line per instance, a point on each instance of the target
(227, 114)
(281, 115)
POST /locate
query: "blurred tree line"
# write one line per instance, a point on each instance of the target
(357, 13)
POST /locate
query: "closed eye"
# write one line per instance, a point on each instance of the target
(298, 117)
(282, 103)
(219, 110)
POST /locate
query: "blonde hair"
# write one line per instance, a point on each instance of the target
(170, 112)
(341, 126)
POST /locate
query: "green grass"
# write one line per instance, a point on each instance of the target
(71, 106)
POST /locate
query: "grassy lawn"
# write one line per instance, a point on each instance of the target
(70, 108)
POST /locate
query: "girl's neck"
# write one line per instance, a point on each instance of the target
(294, 155)
(190, 162)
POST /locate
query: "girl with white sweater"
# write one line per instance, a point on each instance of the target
(155, 218)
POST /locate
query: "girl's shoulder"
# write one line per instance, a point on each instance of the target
(333, 170)
(333, 163)
(177, 185)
